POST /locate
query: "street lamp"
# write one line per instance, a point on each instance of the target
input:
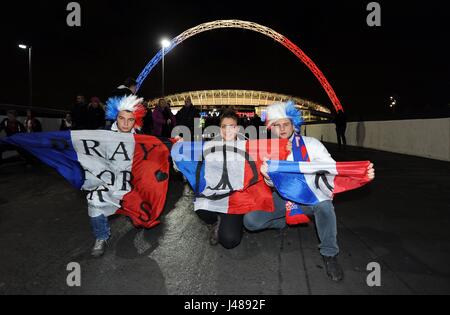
(392, 103)
(165, 43)
(30, 76)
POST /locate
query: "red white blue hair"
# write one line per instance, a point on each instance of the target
(130, 103)
(285, 110)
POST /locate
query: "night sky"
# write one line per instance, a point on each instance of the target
(407, 56)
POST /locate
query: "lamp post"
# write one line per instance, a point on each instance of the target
(393, 103)
(30, 75)
(165, 43)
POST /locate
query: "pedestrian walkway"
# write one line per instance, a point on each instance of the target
(399, 221)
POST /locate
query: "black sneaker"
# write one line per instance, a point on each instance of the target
(334, 270)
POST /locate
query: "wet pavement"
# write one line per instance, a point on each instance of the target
(400, 221)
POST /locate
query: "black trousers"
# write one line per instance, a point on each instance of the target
(230, 228)
(341, 137)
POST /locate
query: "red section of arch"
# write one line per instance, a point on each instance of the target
(315, 70)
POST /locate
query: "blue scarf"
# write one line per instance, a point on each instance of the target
(294, 213)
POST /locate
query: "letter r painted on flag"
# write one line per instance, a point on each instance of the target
(91, 145)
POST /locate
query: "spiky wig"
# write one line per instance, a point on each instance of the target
(130, 103)
(282, 111)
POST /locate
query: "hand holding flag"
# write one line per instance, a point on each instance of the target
(371, 172)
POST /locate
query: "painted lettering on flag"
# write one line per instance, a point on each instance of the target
(122, 173)
(309, 183)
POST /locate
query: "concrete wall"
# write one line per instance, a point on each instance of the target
(48, 124)
(429, 138)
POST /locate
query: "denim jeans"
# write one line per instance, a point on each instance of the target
(323, 212)
(100, 228)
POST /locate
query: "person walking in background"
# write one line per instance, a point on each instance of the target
(340, 121)
(163, 119)
(31, 123)
(170, 119)
(129, 87)
(95, 115)
(66, 123)
(79, 113)
(186, 117)
(147, 129)
(11, 125)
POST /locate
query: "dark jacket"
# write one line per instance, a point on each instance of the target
(79, 116)
(148, 123)
(186, 117)
(65, 125)
(95, 118)
(341, 121)
(160, 126)
(11, 128)
(35, 125)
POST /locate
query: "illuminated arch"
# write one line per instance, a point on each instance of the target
(252, 27)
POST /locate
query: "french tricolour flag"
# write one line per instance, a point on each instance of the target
(309, 183)
(123, 173)
(225, 176)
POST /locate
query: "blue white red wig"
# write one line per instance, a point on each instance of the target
(130, 103)
(284, 110)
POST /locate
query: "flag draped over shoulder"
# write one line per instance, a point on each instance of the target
(309, 183)
(225, 176)
(124, 173)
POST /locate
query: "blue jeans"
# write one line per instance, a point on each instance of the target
(323, 212)
(100, 228)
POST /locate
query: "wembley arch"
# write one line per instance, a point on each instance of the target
(252, 27)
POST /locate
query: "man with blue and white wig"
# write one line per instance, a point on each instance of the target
(285, 121)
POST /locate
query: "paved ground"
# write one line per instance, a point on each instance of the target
(401, 221)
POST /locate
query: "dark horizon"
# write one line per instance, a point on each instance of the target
(407, 56)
